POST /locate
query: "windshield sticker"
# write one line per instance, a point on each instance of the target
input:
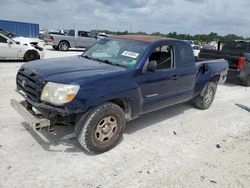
(130, 54)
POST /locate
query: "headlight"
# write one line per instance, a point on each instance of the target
(59, 94)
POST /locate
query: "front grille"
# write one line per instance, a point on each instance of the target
(30, 83)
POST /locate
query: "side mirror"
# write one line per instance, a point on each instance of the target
(9, 42)
(152, 66)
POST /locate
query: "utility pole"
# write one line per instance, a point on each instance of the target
(130, 28)
(96, 27)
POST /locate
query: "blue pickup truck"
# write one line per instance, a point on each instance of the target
(112, 82)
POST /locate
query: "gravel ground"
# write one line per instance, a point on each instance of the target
(179, 146)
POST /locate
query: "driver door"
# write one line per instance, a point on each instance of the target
(85, 39)
(159, 88)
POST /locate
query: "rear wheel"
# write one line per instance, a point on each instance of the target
(63, 46)
(204, 100)
(30, 56)
(101, 129)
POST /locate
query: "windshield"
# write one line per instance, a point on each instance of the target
(120, 52)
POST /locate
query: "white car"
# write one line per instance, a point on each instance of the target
(15, 50)
(32, 41)
(196, 50)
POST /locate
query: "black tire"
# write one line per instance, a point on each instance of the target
(245, 81)
(30, 56)
(204, 100)
(101, 129)
(63, 46)
(10, 35)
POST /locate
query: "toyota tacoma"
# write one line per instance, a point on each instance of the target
(114, 81)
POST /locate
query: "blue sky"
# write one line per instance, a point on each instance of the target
(182, 16)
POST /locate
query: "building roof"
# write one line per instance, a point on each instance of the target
(145, 38)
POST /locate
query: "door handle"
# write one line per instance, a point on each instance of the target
(175, 77)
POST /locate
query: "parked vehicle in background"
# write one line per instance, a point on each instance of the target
(46, 35)
(6, 33)
(237, 53)
(196, 50)
(209, 46)
(102, 35)
(115, 81)
(191, 42)
(72, 39)
(32, 41)
(15, 50)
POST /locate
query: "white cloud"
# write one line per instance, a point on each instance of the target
(182, 16)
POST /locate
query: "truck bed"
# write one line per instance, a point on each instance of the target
(231, 56)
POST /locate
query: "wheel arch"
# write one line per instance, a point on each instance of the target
(125, 105)
(31, 50)
(215, 78)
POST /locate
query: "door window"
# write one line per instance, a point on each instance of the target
(164, 57)
(3, 40)
(83, 34)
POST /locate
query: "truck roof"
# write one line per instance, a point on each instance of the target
(144, 38)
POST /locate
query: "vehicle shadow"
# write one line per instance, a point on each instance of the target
(57, 141)
(155, 117)
(232, 82)
(11, 61)
(63, 140)
(70, 50)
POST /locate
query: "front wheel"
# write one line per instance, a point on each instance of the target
(205, 99)
(30, 56)
(101, 129)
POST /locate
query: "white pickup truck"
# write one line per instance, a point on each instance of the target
(71, 39)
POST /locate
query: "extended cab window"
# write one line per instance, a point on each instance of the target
(3, 40)
(186, 54)
(164, 57)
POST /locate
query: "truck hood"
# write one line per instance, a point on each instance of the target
(71, 69)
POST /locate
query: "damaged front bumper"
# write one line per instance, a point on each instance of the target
(33, 118)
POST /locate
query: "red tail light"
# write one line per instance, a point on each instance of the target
(51, 37)
(241, 63)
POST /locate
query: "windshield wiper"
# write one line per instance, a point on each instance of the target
(87, 57)
(102, 60)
